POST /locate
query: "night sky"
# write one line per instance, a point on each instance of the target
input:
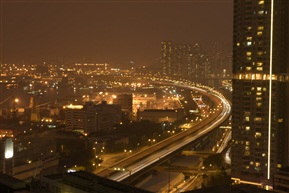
(116, 32)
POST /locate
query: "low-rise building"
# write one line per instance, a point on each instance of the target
(92, 117)
(125, 100)
(11, 184)
(160, 115)
(83, 182)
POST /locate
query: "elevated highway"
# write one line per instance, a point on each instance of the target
(154, 153)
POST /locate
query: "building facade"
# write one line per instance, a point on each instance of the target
(260, 90)
(74, 118)
(92, 117)
(281, 181)
(125, 101)
(101, 116)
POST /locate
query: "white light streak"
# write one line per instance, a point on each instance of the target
(270, 90)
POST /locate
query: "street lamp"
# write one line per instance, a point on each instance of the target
(16, 100)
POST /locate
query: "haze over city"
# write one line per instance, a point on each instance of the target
(147, 96)
(115, 32)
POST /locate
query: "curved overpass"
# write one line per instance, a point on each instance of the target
(154, 153)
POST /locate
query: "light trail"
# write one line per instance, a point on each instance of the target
(153, 158)
(270, 91)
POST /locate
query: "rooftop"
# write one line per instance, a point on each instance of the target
(241, 188)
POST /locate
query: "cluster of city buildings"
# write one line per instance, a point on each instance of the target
(92, 117)
(70, 110)
(191, 62)
(260, 117)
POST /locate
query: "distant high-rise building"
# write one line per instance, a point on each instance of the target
(260, 110)
(184, 61)
(221, 60)
(175, 58)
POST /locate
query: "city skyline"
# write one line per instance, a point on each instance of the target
(118, 32)
(206, 101)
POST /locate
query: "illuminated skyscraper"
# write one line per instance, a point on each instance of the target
(260, 89)
(184, 61)
(176, 59)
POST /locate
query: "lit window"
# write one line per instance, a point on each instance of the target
(238, 44)
(259, 76)
(258, 119)
(258, 93)
(249, 43)
(261, 2)
(260, 28)
(259, 68)
(247, 118)
(259, 88)
(247, 142)
(259, 33)
(247, 128)
(249, 53)
(259, 104)
(261, 12)
(258, 134)
(247, 113)
(249, 38)
(248, 68)
(280, 120)
(259, 63)
(259, 53)
(258, 98)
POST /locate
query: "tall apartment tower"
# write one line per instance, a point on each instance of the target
(176, 59)
(260, 110)
(184, 61)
